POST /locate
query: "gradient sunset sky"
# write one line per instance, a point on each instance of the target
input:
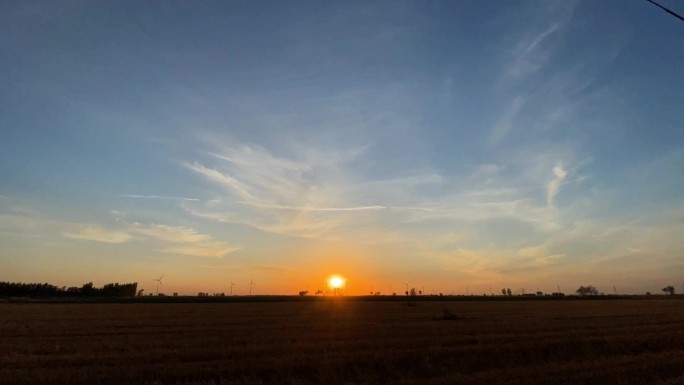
(454, 146)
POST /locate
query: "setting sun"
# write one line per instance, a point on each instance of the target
(336, 282)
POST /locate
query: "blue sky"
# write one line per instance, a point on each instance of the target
(449, 145)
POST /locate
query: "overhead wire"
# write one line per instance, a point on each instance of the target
(671, 12)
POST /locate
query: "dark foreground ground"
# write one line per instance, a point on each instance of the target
(341, 341)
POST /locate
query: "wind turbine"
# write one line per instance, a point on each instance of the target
(159, 282)
(251, 283)
(231, 287)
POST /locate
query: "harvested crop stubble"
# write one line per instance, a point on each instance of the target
(344, 341)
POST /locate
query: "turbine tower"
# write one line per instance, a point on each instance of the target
(231, 287)
(251, 283)
(159, 282)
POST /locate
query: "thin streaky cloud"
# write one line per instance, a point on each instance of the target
(540, 38)
(223, 179)
(400, 208)
(354, 208)
(159, 197)
(250, 156)
(96, 233)
(210, 250)
(507, 121)
(302, 208)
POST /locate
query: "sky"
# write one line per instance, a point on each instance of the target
(457, 147)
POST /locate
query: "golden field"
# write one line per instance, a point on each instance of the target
(337, 340)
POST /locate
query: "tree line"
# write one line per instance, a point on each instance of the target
(19, 289)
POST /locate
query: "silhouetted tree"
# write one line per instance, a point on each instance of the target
(11, 289)
(17, 289)
(508, 291)
(87, 289)
(116, 290)
(503, 291)
(669, 290)
(586, 290)
(413, 292)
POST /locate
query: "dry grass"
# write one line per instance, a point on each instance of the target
(338, 341)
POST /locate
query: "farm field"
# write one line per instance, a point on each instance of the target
(332, 341)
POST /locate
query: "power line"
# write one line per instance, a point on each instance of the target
(673, 13)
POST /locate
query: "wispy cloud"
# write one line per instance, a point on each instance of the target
(540, 37)
(507, 119)
(301, 208)
(159, 197)
(96, 233)
(203, 249)
(183, 240)
(225, 180)
(31, 223)
(305, 198)
(169, 239)
(525, 67)
(173, 234)
(175, 239)
(530, 52)
(281, 194)
(552, 189)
